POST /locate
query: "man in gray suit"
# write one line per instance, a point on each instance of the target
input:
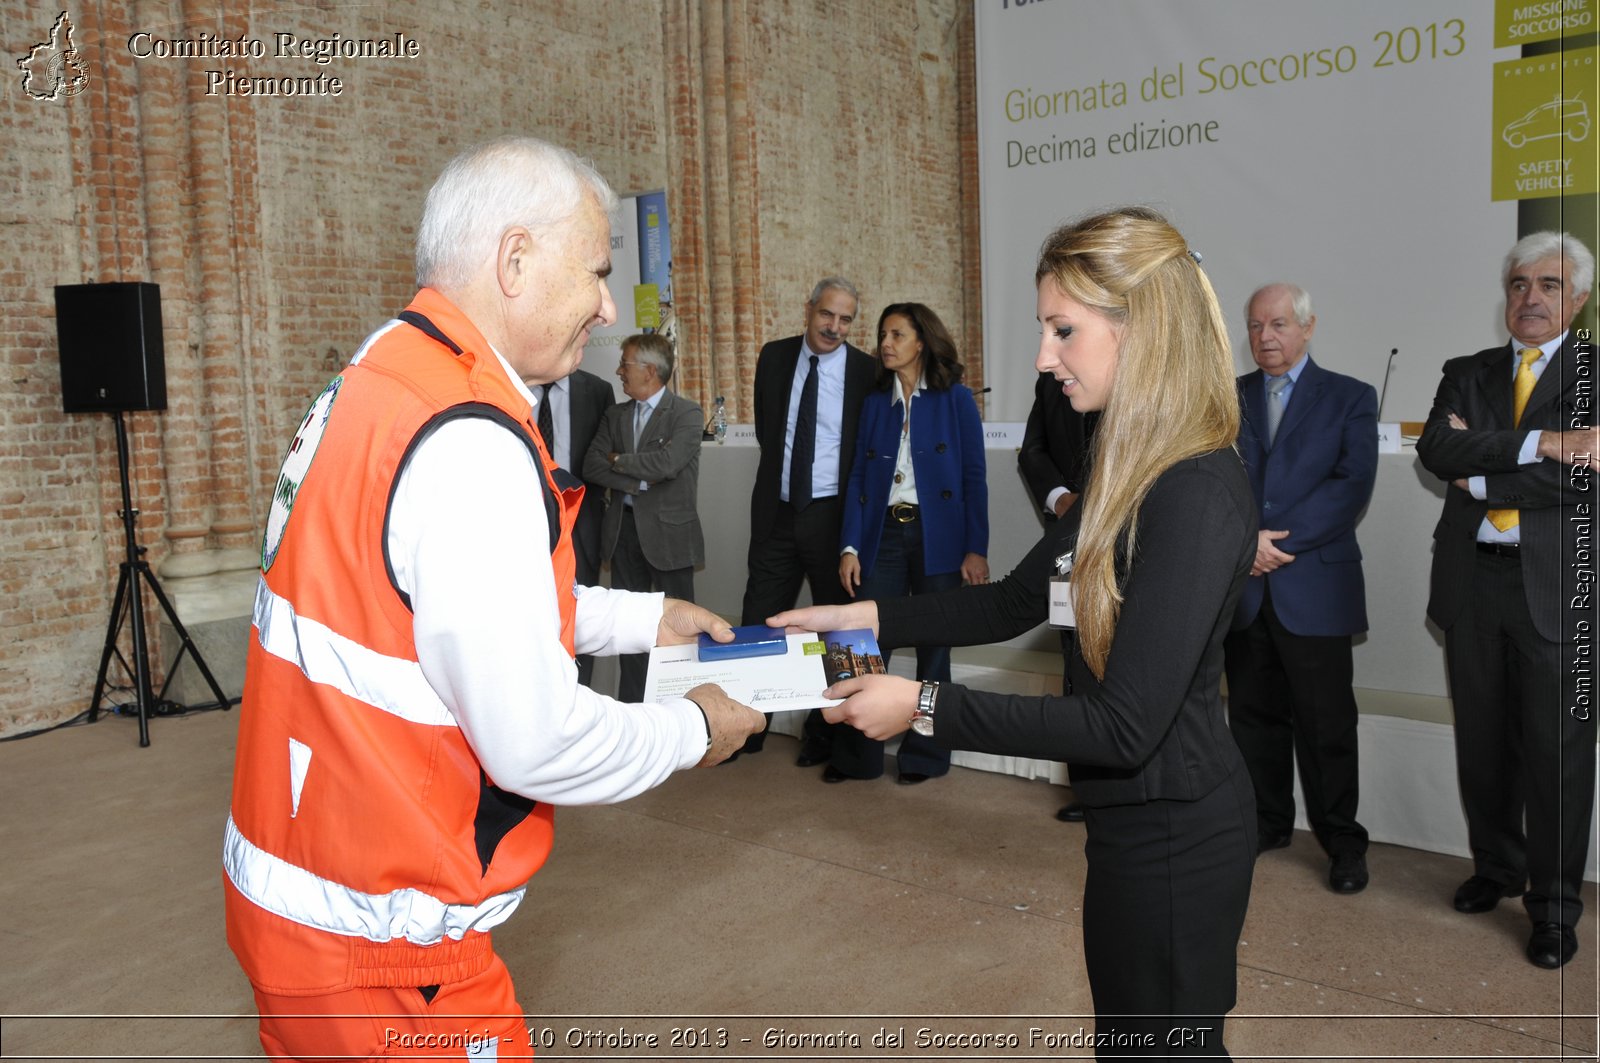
(647, 452)
(568, 414)
(1511, 432)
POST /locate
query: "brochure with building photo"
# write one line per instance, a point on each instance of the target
(794, 679)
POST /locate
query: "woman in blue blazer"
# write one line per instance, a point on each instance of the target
(916, 508)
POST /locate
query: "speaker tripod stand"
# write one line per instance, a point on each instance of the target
(129, 604)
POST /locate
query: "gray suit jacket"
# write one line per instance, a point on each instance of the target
(668, 459)
(1552, 499)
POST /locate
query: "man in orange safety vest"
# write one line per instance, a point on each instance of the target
(411, 707)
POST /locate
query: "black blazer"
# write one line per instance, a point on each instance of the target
(588, 397)
(1478, 390)
(1154, 727)
(775, 370)
(1055, 443)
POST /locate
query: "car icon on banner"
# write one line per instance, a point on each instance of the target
(1558, 118)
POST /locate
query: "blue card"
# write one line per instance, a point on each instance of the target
(755, 640)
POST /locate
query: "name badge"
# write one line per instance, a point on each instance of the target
(1061, 612)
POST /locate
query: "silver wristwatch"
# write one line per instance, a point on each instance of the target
(922, 719)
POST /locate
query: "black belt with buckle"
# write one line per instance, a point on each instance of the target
(1511, 550)
(903, 512)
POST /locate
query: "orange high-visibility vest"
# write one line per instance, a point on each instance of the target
(366, 846)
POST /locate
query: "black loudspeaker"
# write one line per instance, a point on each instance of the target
(110, 340)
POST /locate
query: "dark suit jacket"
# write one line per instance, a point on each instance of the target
(1154, 728)
(1055, 444)
(775, 370)
(587, 400)
(1478, 390)
(1315, 482)
(668, 459)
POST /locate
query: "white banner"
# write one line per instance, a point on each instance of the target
(1342, 146)
(604, 349)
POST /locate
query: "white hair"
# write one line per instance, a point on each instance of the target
(652, 348)
(1542, 245)
(487, 189)
(1298, 296)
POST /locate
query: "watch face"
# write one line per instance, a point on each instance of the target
(923, 725)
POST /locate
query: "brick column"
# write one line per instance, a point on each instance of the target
(713, 191)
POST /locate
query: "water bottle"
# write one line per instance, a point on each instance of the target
(719, 421)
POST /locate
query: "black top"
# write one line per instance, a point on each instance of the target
(1154, 728)
(1055, 443)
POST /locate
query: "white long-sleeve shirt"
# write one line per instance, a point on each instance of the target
(468, 539)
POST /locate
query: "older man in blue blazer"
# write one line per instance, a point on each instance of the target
(1310, 442)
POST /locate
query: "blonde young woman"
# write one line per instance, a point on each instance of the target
(1158, 552)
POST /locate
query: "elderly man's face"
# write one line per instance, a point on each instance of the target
(1277, 339)
(638, 378)
(828, 320)
(566, 299)
(1539, 300)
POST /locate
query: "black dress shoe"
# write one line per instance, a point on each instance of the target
(1348, 873)
(911, 778)
(1278, 839)
(1478, 895)
(831, 774)
(1072, 813)
(1551, 945)
(810, 760)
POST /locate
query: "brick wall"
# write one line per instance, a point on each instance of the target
(280, 231)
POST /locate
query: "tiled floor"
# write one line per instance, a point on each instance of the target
(747, 901)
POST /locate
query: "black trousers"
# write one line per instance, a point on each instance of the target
(896, 571)
(1290, 700)
(803, 547)
(1164, 902)
(630, 571)
(1524, 761)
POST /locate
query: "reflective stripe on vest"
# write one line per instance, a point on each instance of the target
(295, 893)
(394, 684)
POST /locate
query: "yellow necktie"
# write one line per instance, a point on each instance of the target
(1521, 388)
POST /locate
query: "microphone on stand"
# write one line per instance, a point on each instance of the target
(1383, 393)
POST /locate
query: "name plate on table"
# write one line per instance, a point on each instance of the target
(999, 434)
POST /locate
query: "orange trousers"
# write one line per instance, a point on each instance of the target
(474, 1019)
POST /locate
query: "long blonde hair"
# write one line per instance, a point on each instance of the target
(1172, 397)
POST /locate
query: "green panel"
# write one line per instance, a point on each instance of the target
(1544, 126)
(1524, 22)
